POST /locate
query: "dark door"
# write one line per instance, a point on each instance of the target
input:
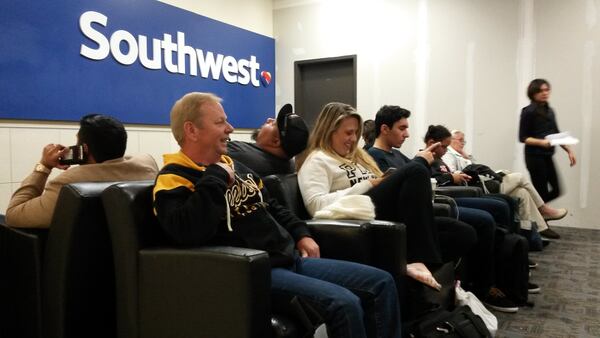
(320, 81)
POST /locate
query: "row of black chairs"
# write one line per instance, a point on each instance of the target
(104, 269)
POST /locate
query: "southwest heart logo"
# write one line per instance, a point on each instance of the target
(265, 78)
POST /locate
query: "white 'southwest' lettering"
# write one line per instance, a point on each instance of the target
(177, 55)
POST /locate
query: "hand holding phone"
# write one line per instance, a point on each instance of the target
(73, 155)
(388, 172)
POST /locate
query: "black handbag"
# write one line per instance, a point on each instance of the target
(484, 177)
(461, 322)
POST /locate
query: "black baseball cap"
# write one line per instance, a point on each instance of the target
(293, 131)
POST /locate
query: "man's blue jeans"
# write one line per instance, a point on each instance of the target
(498, 208)
(348, 295)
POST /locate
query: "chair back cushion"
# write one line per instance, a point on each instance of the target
(21, 254)
(128, 207)
(285, 189)
(78, 279)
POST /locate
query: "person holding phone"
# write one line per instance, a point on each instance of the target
(100, 149)
(392, 130)
(204, 197)
(336, 167)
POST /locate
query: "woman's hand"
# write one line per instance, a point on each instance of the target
(375, 181)
(572, 159)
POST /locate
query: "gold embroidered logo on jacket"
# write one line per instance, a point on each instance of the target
(244, 196)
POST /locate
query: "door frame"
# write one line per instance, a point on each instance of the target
(298, 102)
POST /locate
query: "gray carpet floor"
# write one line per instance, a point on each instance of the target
(569, 302)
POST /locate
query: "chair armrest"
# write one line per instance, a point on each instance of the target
(336, 237)
(378, 243)
(459, 191)
(389, 252)
(442, 209)
(210, 291)
(449, 203)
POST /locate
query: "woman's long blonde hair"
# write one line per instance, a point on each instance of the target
(329, 120)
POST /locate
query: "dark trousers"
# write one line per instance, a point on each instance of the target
(543, 176)
(457, 238)
(405, 196)
(497, 207)
(480, 261)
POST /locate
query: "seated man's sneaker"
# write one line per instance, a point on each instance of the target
(533, 288)
(559, 214)
(549, 233)
(532, 264)
(498, 301)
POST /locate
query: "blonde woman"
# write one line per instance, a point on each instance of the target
(335, 167)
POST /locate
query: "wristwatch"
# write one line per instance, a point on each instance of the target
(40, 168)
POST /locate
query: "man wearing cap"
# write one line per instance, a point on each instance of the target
(277, 142)
(203, 197)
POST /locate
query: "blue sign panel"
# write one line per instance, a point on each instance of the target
(131, 59)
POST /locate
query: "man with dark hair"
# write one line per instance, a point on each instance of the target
(104, 136)
(277, 142)
(392, 130)
(103, 140)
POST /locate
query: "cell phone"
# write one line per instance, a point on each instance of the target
(74, 155)
(389, 171)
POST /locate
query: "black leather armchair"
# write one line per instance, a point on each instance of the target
(174, 292)
(62, 286)
(21, 255)
(459, 191)
(378, 243)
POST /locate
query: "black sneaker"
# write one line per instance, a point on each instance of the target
(532, 264)
(498, 301)
(549, 233)
(533, 288)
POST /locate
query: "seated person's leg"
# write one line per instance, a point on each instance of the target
(498, 208)
(481, 259)
(405, 196)
(337, 289)
(528, 211)
(456, 238)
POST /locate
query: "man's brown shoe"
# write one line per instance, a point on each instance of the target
(549, 233)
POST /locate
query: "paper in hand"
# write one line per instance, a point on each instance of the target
(560, 139)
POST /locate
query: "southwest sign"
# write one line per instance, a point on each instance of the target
(128, 59)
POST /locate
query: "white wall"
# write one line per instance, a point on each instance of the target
(253, 15)
(23, 140)
(464, 64)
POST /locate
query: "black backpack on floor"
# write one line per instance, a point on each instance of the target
(512, 266)
(458, 323)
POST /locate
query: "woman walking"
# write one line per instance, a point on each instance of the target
(538, 120)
